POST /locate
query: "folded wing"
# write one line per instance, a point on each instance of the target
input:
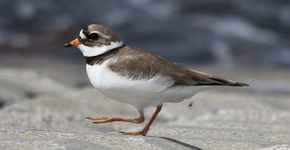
(137, 64)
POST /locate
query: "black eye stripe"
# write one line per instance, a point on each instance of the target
(93, 36)
(86, 33)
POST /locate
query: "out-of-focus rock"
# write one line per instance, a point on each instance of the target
(227, 33)
(17, 85)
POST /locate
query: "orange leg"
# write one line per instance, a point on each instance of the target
(144, 131)
(106, 119)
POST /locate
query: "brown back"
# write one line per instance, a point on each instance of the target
(136, 64)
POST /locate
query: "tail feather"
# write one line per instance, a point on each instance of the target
(205, 79)
(228, 82)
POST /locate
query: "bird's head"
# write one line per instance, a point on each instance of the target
(95, 39)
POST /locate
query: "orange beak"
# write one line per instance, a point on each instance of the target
(74, 43)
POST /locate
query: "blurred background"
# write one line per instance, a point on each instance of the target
(223, 33)
(44, 85)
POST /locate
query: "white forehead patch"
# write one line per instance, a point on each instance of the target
(82, 35)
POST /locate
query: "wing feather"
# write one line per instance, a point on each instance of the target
(136, 64)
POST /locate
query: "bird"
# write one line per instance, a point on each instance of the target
(137, 77)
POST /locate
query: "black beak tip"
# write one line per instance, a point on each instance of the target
(67, 45)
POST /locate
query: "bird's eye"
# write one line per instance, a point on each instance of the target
(93, 36)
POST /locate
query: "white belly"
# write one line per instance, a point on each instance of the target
(140, 93)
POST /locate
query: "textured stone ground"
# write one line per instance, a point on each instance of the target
(43, 106)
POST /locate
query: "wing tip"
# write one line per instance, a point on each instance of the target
(239, 84)
(229, 82)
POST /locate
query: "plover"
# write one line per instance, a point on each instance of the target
(133, 76)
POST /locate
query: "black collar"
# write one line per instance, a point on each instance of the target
(99, 59)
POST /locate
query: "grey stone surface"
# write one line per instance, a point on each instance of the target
(223, 118)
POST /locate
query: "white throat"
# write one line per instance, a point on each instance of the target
(97, 50)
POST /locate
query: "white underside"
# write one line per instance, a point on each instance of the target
(140, 93)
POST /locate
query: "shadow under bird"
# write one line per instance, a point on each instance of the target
(136, 77)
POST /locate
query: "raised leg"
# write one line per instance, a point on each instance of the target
(106, 119)
(144, 131)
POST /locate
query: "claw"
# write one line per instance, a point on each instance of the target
(89, 118)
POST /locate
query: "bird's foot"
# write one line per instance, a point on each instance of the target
(139, 133)
(101, 119)
(106, 119)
